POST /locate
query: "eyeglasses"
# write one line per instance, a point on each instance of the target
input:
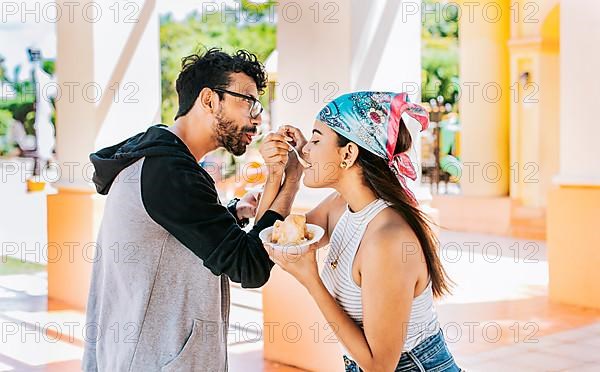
(256, 107)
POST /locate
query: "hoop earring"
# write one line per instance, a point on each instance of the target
(343, 164)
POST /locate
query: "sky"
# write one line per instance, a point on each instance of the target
(16, 36)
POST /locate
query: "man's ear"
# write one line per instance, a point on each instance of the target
(350, 153)
(207, 99)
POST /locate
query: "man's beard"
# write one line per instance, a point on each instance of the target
(230, 137)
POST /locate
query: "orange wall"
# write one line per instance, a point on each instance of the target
(573, 241)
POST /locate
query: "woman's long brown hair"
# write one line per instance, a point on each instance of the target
(382, 180)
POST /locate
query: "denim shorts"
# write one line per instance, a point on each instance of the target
(431, 355)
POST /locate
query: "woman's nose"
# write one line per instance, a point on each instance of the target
(305, 149)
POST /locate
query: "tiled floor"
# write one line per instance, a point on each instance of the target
(37, 339)
(497, 319)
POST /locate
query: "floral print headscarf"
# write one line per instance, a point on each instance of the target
(372, 121)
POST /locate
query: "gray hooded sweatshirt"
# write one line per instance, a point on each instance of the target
(159, 296)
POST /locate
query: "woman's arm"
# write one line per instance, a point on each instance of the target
(389, 274)
(319, 215)
(388, 280)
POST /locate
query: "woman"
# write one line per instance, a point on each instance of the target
(382, 271)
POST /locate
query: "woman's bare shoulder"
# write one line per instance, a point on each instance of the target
(390, 221)
(389, 228)
(389, 239)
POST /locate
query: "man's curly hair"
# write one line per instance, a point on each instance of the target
(212, 70)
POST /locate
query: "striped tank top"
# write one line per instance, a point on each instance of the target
(344, 243)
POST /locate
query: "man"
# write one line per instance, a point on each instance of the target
(159, 298)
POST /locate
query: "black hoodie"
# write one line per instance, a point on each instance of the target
(180, 195)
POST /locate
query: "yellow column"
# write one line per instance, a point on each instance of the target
(485, 94)
(535, 109)
(574, 201)
(109, 90)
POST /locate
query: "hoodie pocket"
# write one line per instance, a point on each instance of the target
(204, 350)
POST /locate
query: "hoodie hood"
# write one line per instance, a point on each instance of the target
(156, 141)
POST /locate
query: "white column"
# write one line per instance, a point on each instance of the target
(579, 95)
(313, 40)
(330, 48)
(327, 49)
(108, 70)
(386, 47)
(386, 56)
(314, 66)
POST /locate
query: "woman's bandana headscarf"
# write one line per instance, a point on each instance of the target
(372, 121)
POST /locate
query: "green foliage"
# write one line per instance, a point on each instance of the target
(440, 51)
(23, 101)
(29, 122)
(258, 12)
(252, 30)
(12, 266)
(6, 119)
(441, 19)
(2, 69)
(49, 66)
(19, 106)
